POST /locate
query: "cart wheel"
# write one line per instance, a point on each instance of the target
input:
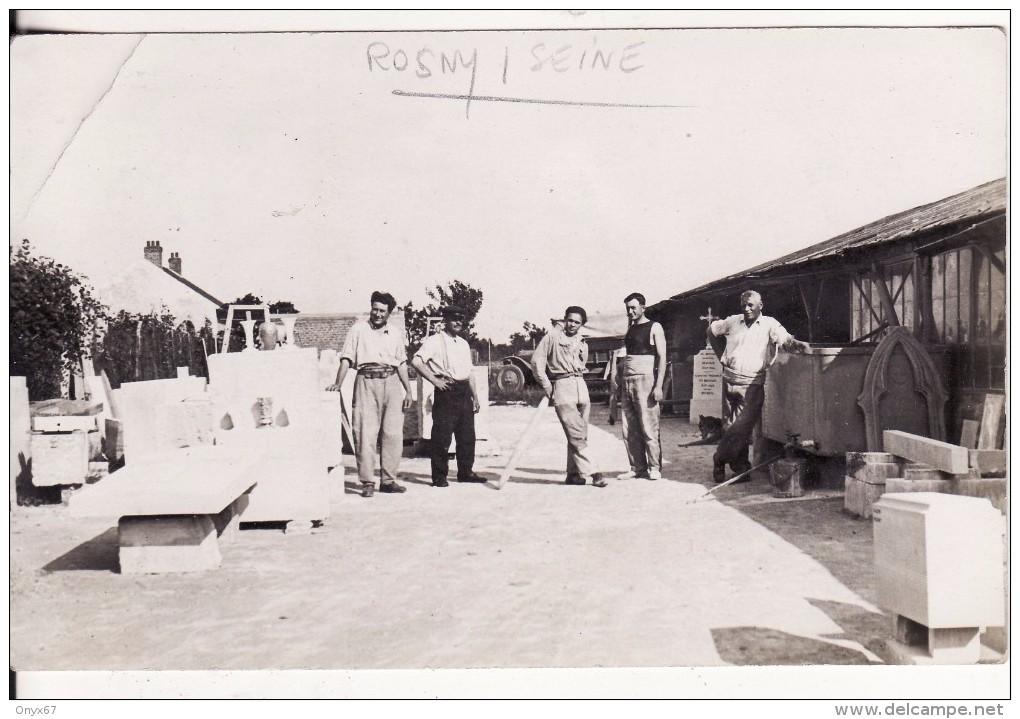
(510, 380)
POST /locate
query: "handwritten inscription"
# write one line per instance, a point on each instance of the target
(568, 57)
(427, 62)
(381, 57)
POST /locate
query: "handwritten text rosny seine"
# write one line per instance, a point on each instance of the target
(425, 62)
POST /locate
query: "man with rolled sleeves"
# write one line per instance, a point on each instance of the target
(444, 359)
(379, 355)
(559, 363)
(747, 345)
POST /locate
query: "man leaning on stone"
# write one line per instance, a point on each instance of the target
(746, 344)
(379, 355)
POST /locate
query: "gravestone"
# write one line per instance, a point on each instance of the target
(706, 398)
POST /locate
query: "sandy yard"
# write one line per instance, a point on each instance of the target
(537, 575)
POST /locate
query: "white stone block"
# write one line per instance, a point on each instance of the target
(59, 458)
(939, 560)
(193, 480)
(943, 456)
(136, 406)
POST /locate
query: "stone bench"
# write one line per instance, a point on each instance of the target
(173, 506)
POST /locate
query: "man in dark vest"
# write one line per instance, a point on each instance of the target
(644, 369)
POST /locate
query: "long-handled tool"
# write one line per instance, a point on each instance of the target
(735, 478)
(522, 443)
(793, 442)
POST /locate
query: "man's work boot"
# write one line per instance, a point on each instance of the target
(718, 471)
(574, 478)
(473, 478)
(597, 480)
(742, 467)
(391, 487)
(367, 488)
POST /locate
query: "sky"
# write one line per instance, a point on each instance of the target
(308, 166)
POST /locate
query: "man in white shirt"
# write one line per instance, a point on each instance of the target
(746, 345)
(445, 360)
(379, 355)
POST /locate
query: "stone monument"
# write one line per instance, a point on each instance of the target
(706, 397)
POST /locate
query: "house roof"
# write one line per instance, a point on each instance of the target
(191, 285)
(986, 199)
(141, 286)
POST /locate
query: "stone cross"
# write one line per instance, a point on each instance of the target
(710, 318)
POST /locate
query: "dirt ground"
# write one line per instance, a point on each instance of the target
(536, 575)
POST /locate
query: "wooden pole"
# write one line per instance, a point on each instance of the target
(522, 443)
(883, 295)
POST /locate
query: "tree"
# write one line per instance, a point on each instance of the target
(527, 339)
(53, 318)
(456, 293)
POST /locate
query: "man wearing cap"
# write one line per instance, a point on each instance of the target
(746, 345)
(644, 369)
(445, 360)
(379, 356)
(559, 362)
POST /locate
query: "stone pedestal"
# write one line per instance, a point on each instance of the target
(706, 398)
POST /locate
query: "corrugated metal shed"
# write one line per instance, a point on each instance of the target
(986, 199)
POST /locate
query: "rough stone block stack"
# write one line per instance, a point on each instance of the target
(866, 477)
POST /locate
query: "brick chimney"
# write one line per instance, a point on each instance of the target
(174, 263)
(154, 252)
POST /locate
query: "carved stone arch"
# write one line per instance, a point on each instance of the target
(926, 382)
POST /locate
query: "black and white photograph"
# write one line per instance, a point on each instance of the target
(554, 354)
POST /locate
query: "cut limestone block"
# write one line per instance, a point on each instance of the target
(900, 485)
(136, 407)
(859, 496)
(183, 543)
(193, 480)
(64, 423)
(943, 456)
(989, 462)
(59, 458)
(991, 422)
(991, 488)
(969, 433)
(184, 424)
(939, 564)
(172, 505)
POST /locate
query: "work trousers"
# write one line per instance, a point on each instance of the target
(743, 415)
(453, 415)
(641, 423)
(570, 396)
(378, 421)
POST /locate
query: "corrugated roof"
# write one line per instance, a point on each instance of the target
(982, 200)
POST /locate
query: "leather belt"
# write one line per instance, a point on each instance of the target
(565, 375)
(376, 372)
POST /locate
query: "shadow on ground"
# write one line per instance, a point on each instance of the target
(754, 646)
(99, 554)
